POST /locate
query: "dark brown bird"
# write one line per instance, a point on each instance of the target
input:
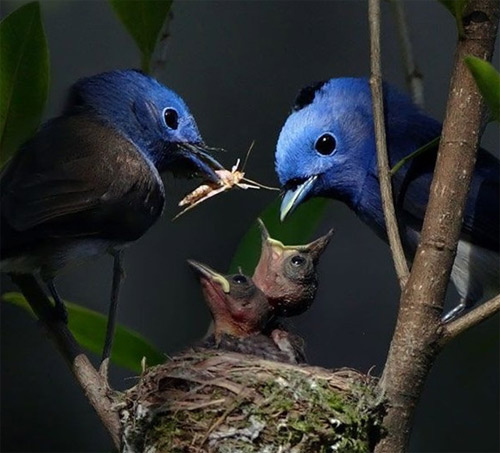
(240, 312)
(287, 274)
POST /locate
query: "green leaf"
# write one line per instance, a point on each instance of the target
(89, 329)
(488, 81)
(456, 8)
(143, 19)
(24, 77)
(297, 229)
(433, 144)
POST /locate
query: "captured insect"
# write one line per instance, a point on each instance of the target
(228, 180)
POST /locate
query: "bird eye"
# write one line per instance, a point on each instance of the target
(171, 118)
(240, 279)
(326, 144)
(298, 260)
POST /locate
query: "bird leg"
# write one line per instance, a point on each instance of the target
(456, 311)
(118, 276)
(59, 307)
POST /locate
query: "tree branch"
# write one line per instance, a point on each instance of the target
(160, 54)
(415, 343)
(384, 173)
(414, 78)
(471, 319)
(92, 383)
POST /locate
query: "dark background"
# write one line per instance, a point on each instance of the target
(239, 65)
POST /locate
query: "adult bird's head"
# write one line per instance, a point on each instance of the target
(237, 306)
(150, 115)
(320, 149)
(327, 146)
(287, 274)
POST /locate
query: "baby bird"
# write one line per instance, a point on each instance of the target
(287, 274)
(240, 312)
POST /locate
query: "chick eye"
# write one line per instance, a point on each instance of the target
(298, 260)
(171, 118)
(240, 279)
(326, 144)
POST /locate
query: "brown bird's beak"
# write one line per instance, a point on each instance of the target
(317, 247)
(263, 230)
(206, 273)
(274, 248)
(269, 245)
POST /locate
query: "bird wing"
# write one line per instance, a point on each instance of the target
(78, 177)
(481, 216)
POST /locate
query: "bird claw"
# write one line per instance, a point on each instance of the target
(454, 313)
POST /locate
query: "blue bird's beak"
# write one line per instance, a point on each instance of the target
(194, 159)
(293, 197)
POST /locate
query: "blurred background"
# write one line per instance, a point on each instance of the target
(239, 65)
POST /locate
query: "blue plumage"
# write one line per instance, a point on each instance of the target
(327, 148)
(88, 183)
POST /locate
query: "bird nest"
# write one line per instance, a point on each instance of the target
(214, 401)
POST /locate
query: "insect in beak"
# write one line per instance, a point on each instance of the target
(227, 181)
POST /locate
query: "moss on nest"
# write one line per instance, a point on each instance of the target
(212, 401)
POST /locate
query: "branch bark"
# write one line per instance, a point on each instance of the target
(384, 172)
(94, 385)
(471, 319)
(160, 53)
(414, 78)
(415, 343)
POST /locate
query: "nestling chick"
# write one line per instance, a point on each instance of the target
(240, 312)
(287, 274)
(291, 344)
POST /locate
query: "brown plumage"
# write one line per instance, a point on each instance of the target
(78, 185)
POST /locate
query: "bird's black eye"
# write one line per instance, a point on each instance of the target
(326, 144)
(298, 260)
(240, 279)
(171, 118)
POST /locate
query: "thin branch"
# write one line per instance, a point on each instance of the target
(382, 159)
(95, 387)
(414, 78)
(478, 315)
(416, 340)
(160, 54)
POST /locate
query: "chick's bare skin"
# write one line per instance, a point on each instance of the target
(287, 275)
(240, 312)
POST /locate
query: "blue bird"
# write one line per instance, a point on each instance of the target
(88, 183)
(327, 148)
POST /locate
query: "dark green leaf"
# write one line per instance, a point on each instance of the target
(297, 229)
(456, 8)
(24, 77)
(432, 145)
(143, 19)
(488, 81)
(89, 328)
